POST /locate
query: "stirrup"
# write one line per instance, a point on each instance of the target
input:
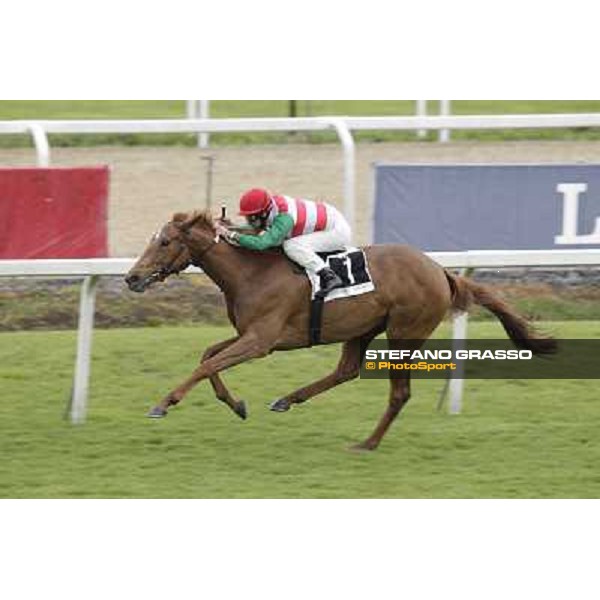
(333, 284)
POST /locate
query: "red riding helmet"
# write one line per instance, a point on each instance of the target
(254, 202)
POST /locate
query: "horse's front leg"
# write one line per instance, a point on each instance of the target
(221, 391)
(249, 346)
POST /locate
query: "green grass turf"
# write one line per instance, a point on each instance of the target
(514, 438)
(152, 109)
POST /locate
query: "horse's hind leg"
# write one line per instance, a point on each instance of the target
(347, 368)
(400, 338)
(221, 392)
(399, 395)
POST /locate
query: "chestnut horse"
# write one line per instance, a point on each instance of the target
(268, 304)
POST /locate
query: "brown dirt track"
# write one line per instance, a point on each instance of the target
(149, 183)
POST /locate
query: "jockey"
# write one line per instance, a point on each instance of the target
(301, 227)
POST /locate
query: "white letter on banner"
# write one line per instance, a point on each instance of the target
(570, 192)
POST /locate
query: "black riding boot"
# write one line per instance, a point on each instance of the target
(329, 281)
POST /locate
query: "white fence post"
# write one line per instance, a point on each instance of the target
(84, 348)
(40, 141)
(421, 111)
(190, 109)
(457, 384)
(199, 109)
(444, 135)
(349, 149)
(204, 113)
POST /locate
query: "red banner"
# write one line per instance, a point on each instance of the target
(53, 213)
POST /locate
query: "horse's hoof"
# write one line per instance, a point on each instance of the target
(362, 447)
(157, 413)
(280, 405)
(241, 411)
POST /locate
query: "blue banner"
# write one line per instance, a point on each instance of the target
(488, 207)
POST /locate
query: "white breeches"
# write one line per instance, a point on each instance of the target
(302, 249)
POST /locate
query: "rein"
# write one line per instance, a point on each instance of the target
(213, 243)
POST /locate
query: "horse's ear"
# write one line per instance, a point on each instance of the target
(178, 218)
(184, 222)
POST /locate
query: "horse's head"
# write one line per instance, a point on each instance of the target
(181, 242)
(165, 255)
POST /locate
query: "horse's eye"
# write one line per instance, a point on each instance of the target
(165, 242)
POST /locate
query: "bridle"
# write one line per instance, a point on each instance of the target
(137, 283)
(164, 272)
(167, 271)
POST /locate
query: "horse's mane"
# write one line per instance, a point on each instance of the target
(197, 216)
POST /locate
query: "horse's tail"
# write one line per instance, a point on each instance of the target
(466, 292)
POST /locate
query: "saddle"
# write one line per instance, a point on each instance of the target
(350, 265)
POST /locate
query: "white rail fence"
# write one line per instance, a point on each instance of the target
(200, 109)
(89, 270)
(343, 126)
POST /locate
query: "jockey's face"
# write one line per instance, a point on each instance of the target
(258, 221)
